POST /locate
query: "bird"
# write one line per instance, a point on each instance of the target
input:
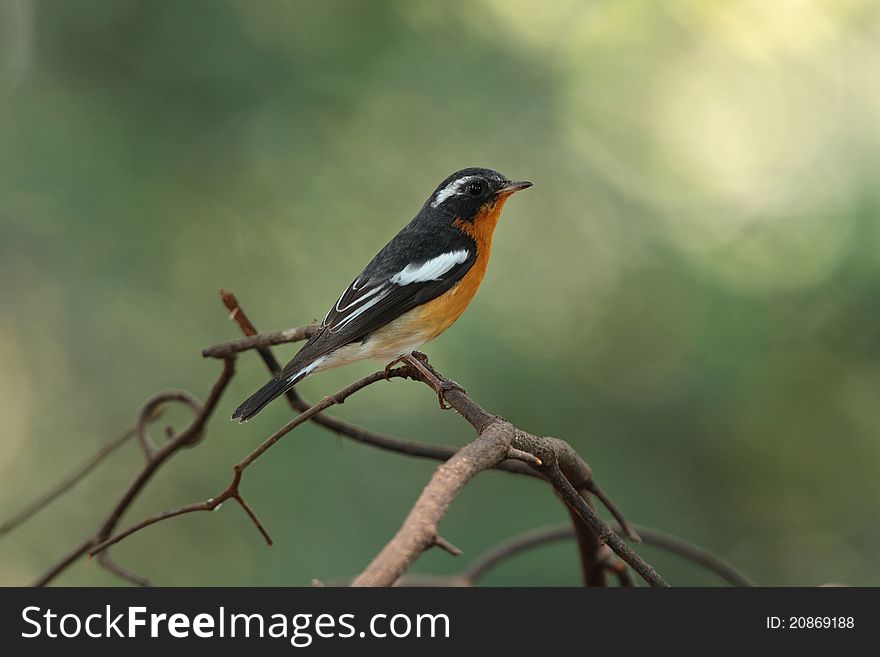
(414, 289)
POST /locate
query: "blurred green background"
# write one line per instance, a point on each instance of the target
(688, 294)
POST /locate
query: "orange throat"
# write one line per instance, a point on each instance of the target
(482, 228)
(442, 312)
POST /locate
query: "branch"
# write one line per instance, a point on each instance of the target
(695, 554)
(154, 460)
(419, 530)
(65, 484)
(591, 550)
(616, 567)
(517, 460)
(149, 411)
(260, 341)
(232, 490)
(543, 448)
(498, 445)
(550, 534)
(512, 547)
(535, 538)
(495, 438)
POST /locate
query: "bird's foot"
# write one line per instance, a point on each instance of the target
(394, 362)
(432, 377)
(421, 355)
(445, 386)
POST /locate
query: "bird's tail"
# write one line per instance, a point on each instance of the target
(257, 401)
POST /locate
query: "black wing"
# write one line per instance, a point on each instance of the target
(378, 297)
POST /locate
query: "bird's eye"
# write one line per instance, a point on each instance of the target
(474, 188)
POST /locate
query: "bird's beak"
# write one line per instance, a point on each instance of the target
(514, 186)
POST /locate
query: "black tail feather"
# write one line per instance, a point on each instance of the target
(257, 401)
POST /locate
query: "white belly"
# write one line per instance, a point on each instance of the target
(385, 345)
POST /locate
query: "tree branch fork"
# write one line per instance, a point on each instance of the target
(498, 444)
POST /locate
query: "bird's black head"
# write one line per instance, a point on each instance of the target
(472, 193)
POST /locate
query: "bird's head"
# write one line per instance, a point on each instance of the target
(474, 197)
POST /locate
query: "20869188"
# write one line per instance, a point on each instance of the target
(810, 623)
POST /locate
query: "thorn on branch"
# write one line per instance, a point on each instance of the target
(446, 546)
(522, 455)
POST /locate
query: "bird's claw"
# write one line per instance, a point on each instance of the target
(441, 384)
(445, 386)
(390, 365)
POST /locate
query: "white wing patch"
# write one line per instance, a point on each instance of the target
(452, 189)
(415, 272)
(430, 270)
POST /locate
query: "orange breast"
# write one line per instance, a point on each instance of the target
(439, 314)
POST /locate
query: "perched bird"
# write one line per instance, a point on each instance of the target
(412, 291)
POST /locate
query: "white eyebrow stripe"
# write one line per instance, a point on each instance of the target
(451, 189)
(360, 311)
(430, 270)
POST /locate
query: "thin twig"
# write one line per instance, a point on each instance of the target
(604, 533)
(153, 406)
(626, 528)
(189, 436)
(111, 566)
(590, 546)
(610, 564)
(64, 562)
(535, 538)
(232, 490)
(514, 546)
(529, 540)
(227, 349)
(624, 577)
(65, 484)
(697, 555)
